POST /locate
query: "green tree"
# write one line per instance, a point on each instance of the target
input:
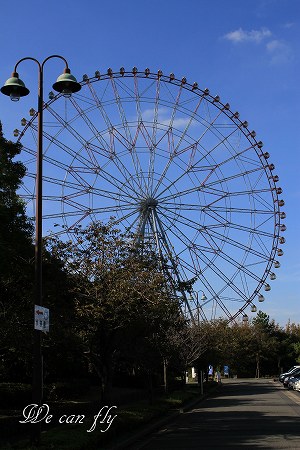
(265, 342)
(123, 304)
(16, 262)
(15, 228)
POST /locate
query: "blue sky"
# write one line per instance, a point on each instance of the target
(248, 52)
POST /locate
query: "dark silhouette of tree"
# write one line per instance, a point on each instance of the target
(16, 262)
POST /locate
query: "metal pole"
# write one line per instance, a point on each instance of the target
(12, 90)
(37, 382)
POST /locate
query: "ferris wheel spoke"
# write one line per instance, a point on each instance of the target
(124, 174)
(175, 232)
(137, 168)
(68, 150)
(169, 161)
(143, 132)
(66, 125)
(58, 216)
(100, 106)
(156, 110)
(185, 172)
(215, 297)
(120, 108)
(125, 207)
(178, 235)
(157, 227)
(240, 266)
(237, 244)
(228, 282)
(127, 138)
(180, 194)
(130, 147)
(236, 155)
(171, 144)
(223, 209)
(171, 217)
(137, 100)
(198, 164)
(46, 159)
(188, 125)
(174, 207)
(91, 127)
(211, 241)
(121, 187)
(250, 230)
(100, 194)
(233, 177)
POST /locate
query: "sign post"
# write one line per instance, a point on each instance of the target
(41, 318)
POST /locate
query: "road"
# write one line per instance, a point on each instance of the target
(243, 414)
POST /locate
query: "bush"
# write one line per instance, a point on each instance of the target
(62, 390)
(14, 395)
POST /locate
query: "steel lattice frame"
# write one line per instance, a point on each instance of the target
(176, 166)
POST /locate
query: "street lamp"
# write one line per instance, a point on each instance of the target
(15, 88)
(245, 319)
(203, 298)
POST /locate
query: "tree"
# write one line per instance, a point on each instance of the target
(264, 340)
(16, 261)
(15, 228)
(123, 303)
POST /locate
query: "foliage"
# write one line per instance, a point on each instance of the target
(16, 265)
(15, 228)
(257, 348)
(14, 394)
(17, 284)
(124, 307)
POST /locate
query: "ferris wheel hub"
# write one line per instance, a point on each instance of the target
(148, 203)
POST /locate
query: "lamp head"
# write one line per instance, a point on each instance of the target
(14, 87)
(66, 83)
(203, 297)
(245, 318)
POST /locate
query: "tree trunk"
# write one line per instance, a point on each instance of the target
(257, 374)
(165, 376)
(150, 386)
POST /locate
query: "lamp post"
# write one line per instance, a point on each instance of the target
(199, 371)
(203, 299)
(15, 88)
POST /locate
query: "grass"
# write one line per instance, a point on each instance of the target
(130, 418)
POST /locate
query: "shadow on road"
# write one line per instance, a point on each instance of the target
(243, 414)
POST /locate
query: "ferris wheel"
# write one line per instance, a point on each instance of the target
(172, 164)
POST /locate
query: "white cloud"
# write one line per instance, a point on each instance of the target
(279, 51)
(288, 25)
(164, 117)
(241, 35)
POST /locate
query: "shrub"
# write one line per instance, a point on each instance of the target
(14, 395)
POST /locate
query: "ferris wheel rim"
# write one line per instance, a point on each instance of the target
(234, 117)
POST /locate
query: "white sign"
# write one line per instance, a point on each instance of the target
(41, 318)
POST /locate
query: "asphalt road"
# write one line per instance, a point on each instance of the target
(243, 414)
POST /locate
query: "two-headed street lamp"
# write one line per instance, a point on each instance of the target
(15, 88)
